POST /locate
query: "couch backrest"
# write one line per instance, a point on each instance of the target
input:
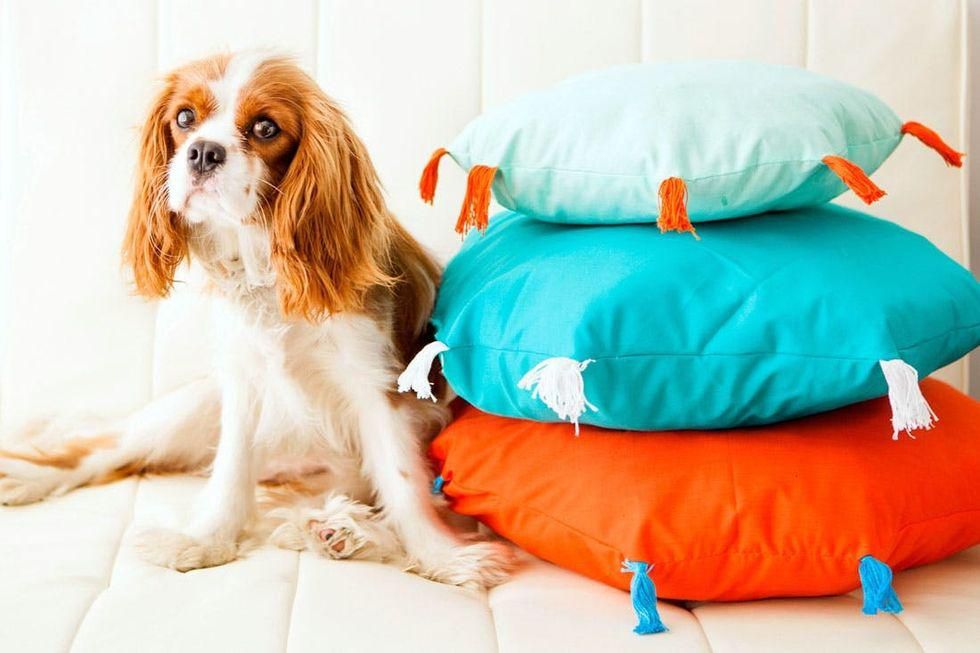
(76, 77)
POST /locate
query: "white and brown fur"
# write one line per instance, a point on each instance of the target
(320, 296)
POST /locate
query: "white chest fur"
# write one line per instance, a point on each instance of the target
(303, 377)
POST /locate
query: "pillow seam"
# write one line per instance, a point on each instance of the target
(712, 355)
(757, 554)
(504, 168)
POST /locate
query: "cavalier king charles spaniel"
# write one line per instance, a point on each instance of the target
(320, 296)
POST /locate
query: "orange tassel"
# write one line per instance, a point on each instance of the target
(476, 203)
(855, 178)
(931, 139)
(430, 176)
(673, 207)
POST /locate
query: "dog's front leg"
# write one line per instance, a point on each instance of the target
(227, 502)
(392, 459)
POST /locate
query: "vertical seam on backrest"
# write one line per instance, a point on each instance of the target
(964, 105)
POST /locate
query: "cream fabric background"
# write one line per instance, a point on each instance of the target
(75, 78)
(973, 27)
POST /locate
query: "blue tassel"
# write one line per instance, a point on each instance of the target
(876, 583)
(644, 595)
(437, 484)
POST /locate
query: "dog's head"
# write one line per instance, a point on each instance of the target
(251, 139)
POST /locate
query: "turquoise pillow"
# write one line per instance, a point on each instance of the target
(763, 320)
(674, 143)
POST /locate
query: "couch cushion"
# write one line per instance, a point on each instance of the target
(72, 580)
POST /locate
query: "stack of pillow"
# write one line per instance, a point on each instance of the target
(754, 303)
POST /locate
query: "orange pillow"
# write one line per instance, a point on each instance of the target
(792, 509)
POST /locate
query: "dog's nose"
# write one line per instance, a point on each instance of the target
(205, 156)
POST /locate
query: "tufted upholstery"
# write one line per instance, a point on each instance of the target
(70, 578)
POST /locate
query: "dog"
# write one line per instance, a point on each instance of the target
(320, 299)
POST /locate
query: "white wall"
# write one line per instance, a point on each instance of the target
(75, 77)
(973, 24)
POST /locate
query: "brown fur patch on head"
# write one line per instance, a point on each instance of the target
(156, 239)
(328, 222)
(271, 95)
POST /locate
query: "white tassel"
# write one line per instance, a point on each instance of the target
(558, 383)
(910, 410)
(416, 374)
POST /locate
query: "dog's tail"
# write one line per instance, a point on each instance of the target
(176, 432)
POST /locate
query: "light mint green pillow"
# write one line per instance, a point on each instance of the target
(762, 320)
(631, 143)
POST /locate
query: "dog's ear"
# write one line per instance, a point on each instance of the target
(329, 223)
(156, 240)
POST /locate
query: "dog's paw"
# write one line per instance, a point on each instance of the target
(20, 491)
(342, 529)
(288, 536)
(320, 536)
(335, 540)
(182, 552)
(480, 565)
(23, 482)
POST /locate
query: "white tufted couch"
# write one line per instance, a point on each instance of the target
(75, 78)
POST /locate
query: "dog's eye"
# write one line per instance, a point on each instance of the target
(265, 129)
(185, 118)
